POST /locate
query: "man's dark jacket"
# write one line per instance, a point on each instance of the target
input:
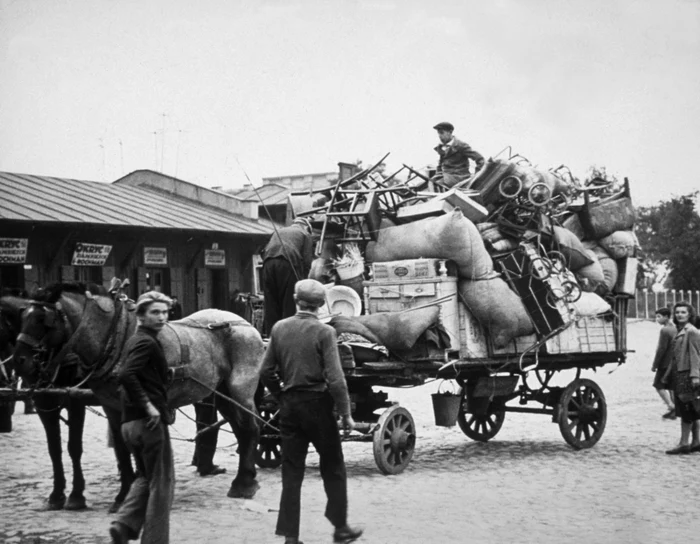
(454, 160)
(294, 244)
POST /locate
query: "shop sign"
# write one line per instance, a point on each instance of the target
(155, 256)
(13, 250)
(214, 257)
(90, 254)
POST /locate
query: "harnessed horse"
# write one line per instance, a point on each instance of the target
(49, 410)
(209, 351)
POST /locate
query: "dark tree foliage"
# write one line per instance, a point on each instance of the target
(670, 231)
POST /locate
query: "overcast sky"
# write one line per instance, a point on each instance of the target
(94, 89)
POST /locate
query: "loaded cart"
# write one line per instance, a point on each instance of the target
(496, 284)
(491, 381)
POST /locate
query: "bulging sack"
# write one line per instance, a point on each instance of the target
(591, 275)
(497, 308)
(590, 304)
(400, 330)
(450, 236)
(608, 264)
(620, 244)
(568, 244)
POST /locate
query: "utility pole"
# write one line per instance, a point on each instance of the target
(162, 146)
(121, 151)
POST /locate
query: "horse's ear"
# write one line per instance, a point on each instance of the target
(88, 294)
(50, 317)
(104, 303)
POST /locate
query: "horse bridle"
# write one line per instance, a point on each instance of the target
(38, 346)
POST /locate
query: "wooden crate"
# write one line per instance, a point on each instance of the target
(567, 341)
(398, 296)
(472, 340)
(596, 334)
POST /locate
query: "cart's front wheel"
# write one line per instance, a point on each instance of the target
(481, 427)
(269, 451)
(582, 413)
(394, 440)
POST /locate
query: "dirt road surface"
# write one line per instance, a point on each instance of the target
(526, 485)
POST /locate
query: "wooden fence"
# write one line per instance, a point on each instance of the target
(646, 302)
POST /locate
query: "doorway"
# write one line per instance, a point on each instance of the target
(219, 289)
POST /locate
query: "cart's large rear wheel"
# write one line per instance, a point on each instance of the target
(269, 450)
(481, 427)
(582, 413)
(394, 440)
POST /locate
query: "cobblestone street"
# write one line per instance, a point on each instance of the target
(526, 485)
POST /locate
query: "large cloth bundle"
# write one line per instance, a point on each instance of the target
(620, 244)
(400, 330)
(450, 236)
(497, 308)
(568, 244)
(592, 274)
(608, 264)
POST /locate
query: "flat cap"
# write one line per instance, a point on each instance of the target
(444, 126)
(310, 291)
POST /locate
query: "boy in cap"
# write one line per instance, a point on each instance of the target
(454, 157)
(302, 367)
(145, 418)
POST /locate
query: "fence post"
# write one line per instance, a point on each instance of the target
(697, 308)
(666, 298)
(673, 293)
(656, 301)
(646, 304)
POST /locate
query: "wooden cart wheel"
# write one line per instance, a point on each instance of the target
(269, 451)
(394, 440)
(582, 413)
(481, 427)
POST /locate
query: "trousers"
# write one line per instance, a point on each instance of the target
(279, 279)
(205, 444)
(307, 417)
(147, 506)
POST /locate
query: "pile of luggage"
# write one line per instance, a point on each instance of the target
(510, 260)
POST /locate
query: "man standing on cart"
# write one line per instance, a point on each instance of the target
(302, 367)
(454, 157)
(286, 259)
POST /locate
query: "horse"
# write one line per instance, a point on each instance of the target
(49, 410)
(209, 351)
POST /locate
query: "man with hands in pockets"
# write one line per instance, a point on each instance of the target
(302, 367)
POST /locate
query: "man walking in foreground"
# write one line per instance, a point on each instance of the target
(145, 419)
(302, 367)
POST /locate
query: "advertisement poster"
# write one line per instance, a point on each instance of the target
(214, 257)
(155, 256)
(13, 250)
(90, 254)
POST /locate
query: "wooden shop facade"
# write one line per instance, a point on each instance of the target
(160, 232)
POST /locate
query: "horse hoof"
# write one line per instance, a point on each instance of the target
(56, 503)
(76, 503)
(239, 492)
(116, 505)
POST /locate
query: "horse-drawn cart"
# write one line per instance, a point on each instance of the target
(487, 388)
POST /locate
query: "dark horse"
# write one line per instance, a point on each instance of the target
(49, 410)
(210, 350)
